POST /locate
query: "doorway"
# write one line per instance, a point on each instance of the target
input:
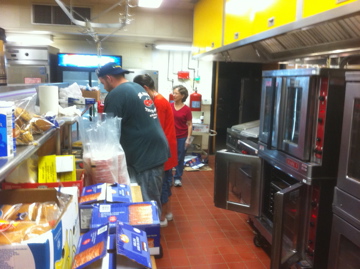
(228, 84)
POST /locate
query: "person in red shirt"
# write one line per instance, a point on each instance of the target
(166, 119)
(183, 127)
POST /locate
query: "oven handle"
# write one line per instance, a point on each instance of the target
(278, 225)
(245, 173)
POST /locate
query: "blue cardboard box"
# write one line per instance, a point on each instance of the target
(113, 193)
(126, 249)
(132, 243)
(102, 192)
(92, 246)
(142, 215)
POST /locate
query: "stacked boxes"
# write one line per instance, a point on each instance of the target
(108, 203)
(100, 193)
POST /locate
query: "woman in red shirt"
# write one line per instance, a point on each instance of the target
(183, 127)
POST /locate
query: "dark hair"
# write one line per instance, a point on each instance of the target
(183, 91)
(145, 80)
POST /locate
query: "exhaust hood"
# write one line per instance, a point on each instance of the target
(306, 38)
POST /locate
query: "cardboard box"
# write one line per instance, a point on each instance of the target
(112, 193)
(92, 247)
(125, 212)
(102, 192)
(127, 249)
(81, 101)
(91, 94)
(79, 183)
(53, 249)
(52, 167)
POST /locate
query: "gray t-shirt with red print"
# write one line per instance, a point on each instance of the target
(142, 137)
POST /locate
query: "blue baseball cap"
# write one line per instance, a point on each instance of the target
(111, 69)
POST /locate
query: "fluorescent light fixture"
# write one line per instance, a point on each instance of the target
(29, 39)
(150, 3)
(173, 46)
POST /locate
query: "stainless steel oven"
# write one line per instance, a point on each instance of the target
(305, 119)
(289, 186)
(345, 237)
(291, 216)
(349, 166)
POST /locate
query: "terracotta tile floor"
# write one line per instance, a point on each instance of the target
(204, 236)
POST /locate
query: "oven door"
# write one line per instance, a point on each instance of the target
(289, 215)
(344, 246)
(271, 95)
(237, 182)
(298, 120)
(349, 168)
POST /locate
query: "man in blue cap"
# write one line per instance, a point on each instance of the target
(142, 137)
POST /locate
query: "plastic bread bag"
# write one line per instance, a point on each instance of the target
(27, 122)
(104, 157)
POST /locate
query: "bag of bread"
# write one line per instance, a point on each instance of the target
(104, 157)
(28, 122)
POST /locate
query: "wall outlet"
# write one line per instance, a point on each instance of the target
(206, 101)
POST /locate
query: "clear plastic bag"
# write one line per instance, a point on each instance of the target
(24, 221)
(27, 122)
(104, 157)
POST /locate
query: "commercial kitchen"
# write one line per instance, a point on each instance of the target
(279, 87)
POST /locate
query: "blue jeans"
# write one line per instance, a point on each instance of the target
(166, 186)
(179, 169)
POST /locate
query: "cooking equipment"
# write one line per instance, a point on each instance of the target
(291, 181)
(300, 120)
(31, 64)
(243, 138)
(345, 237)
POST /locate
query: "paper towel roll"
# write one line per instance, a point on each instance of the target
(48, 99)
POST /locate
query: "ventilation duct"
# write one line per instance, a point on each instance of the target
(339, 36)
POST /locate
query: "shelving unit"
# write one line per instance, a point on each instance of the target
(7, 165)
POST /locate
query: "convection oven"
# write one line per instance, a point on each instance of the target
(345, 236)
(289, 186)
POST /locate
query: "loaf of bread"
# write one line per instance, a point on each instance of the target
(22, 114)
(39, 125)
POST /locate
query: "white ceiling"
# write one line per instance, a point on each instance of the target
(180, 8)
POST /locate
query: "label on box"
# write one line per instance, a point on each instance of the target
(144, 213)
(52, 167)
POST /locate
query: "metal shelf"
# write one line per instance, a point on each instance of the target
(7, 165)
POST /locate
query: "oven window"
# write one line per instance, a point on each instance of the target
(293, 114)
(291, 224)
(354, 152)
(348, 254)
(240, 180)
(267, 111)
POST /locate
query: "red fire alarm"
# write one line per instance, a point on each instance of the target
(183, 75)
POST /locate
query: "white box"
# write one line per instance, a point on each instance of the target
(54, 249)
